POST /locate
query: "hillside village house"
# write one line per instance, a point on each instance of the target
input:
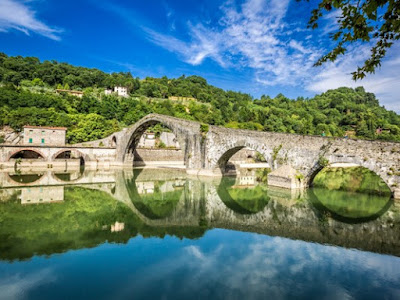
(119, 90)
(41, 135)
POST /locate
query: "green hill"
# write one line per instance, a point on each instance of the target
(27, 96)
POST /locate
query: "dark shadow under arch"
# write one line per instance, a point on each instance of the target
(27, 154)
(114, 142)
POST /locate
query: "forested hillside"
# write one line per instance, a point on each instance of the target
(27, 96)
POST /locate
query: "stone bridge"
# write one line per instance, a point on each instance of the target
(207, 149)
(49, 157)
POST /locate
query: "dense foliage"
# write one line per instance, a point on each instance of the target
(27, 96)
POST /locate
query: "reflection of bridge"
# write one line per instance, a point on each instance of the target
(207, 150)
(48, 178)
(200, 204)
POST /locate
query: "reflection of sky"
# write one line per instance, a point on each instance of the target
(18, 285)
(223, 264)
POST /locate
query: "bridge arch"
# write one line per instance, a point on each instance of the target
(227, 151)
(377, 169)
(129, 142)
(28, 153)
(68, 153)
(114, 141)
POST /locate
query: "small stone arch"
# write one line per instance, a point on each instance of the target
(114, 141)
(309, 178)
(227, 152)
(82, 157)
(39, 154)
(72, 150)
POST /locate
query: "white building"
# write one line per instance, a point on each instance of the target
(121, 91)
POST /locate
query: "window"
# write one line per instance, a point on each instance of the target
(30, 131)
(42, 141)
(42, 131)
(30, 141)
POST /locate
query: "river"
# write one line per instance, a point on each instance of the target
(159, 234)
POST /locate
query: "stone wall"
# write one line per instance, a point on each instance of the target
(144, 157)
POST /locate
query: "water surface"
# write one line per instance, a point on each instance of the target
(159, 234)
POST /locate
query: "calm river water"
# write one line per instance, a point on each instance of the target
(158, 234)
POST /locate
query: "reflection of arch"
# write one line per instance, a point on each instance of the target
(144, 208)
(337, 213)
(66, 177)
(25, 178)
(27, 154)
(225, 196)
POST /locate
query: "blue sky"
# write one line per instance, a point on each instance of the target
(254, 46)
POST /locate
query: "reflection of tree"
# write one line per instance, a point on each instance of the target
(349, 207)
(83, 220)
(247, 200)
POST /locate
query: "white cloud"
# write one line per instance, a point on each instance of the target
(262, 267)
(17, 15)
(256, 35)
(253, 35)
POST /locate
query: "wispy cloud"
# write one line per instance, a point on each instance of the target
(252, 35)
(260, 36)
(17, 15)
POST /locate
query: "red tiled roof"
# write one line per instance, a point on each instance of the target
(46, 127)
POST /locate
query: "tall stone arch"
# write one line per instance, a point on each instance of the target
(185, 132)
